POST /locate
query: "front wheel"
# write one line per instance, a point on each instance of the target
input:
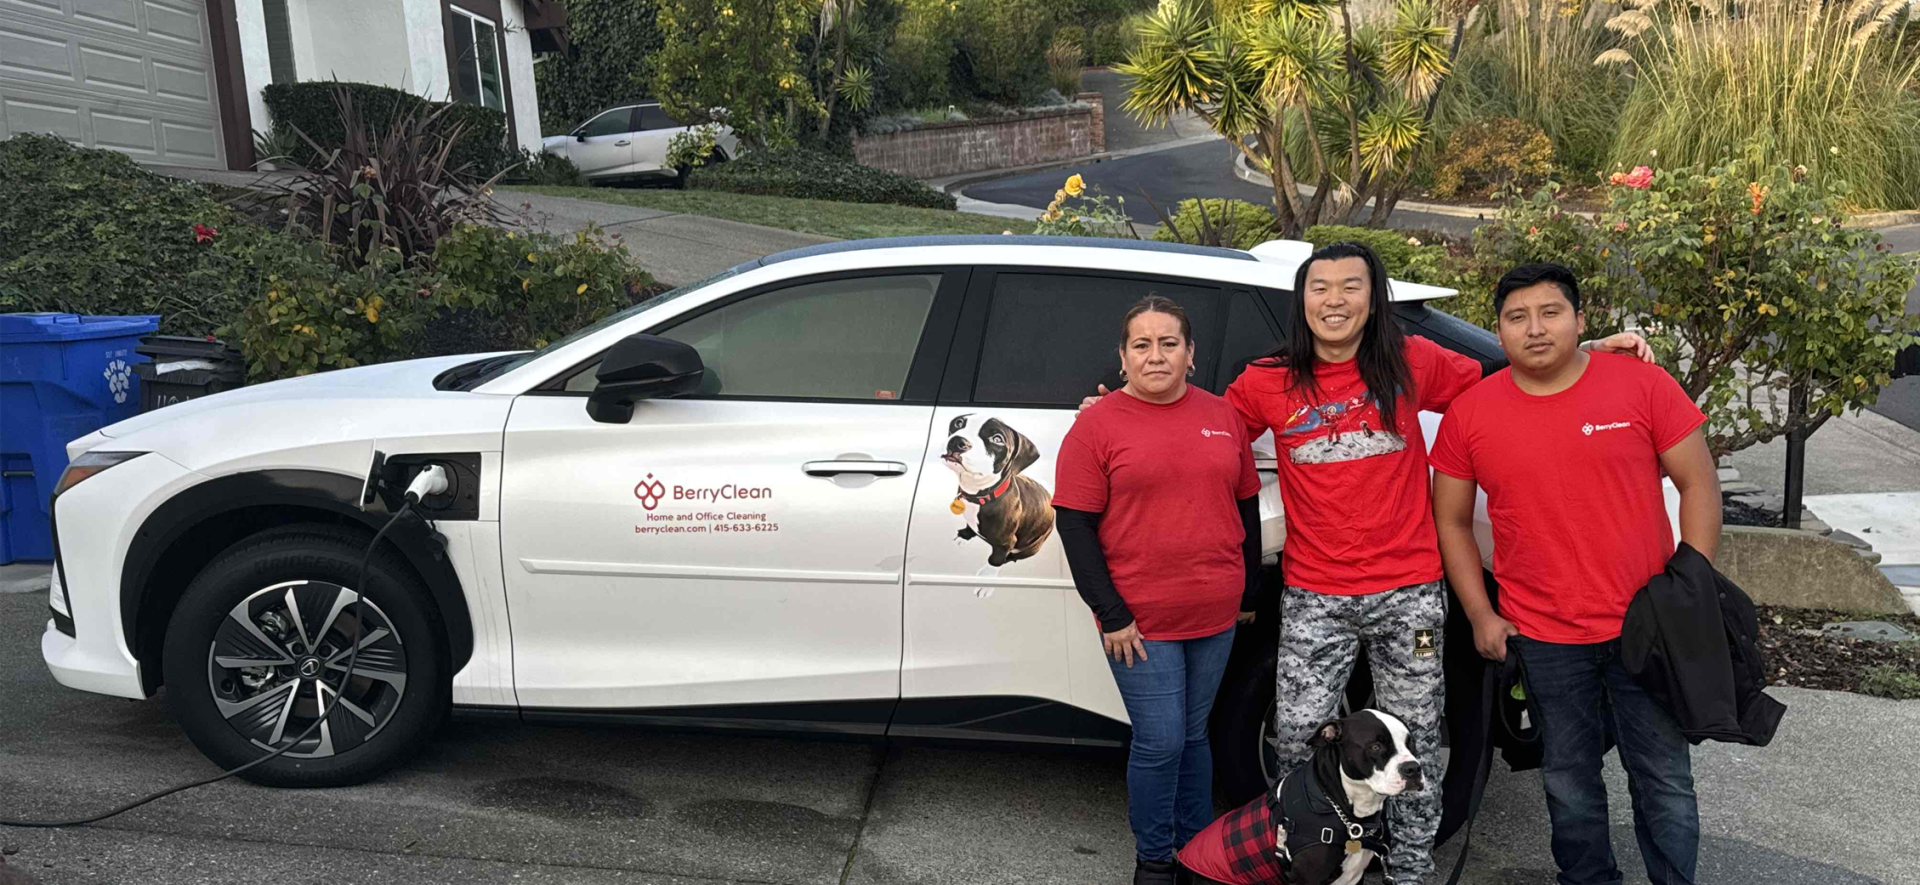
(258, 648)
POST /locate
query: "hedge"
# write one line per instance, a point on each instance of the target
(483, 147)
(89, 231)
(816, 176)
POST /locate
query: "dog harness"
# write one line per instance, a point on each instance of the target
(1313, 823)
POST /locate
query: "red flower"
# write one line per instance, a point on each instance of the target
(204, 234)
(1639, 179)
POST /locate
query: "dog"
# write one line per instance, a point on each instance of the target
(1012, 513)
(1322, 824)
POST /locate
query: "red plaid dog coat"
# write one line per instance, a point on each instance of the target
(1240, 848)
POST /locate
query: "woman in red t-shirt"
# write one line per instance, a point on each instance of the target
(1157, 510)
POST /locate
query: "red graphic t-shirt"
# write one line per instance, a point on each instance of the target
(1573, 490)
(1358, 517)
(1166, 479)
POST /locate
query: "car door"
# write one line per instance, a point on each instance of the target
(655, 129)
(603, 146)
(743, 545)
(997, 639)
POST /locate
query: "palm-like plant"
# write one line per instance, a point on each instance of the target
(1269, 73)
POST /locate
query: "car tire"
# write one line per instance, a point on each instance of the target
(1242, 724)
(247, 606)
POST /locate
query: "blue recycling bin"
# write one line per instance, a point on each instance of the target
(62, 376)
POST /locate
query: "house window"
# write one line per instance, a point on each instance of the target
(476, 60)
(279, 41)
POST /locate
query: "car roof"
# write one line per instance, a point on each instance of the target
(844, 246)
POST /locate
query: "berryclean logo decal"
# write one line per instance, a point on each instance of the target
(649, 491)
(1589, 428)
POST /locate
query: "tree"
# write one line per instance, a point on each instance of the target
(737, 56)
(1347, 105)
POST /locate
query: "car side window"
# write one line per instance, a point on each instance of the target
(1249, 337)
(1051, 338)
(850, 339)
(612, 122)
(653, 117)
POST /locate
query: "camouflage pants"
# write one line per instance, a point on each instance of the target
(1319, 638)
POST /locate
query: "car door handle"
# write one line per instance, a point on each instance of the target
(835, 468)
(622, 143)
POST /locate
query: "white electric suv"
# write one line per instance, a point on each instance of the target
(750, 503)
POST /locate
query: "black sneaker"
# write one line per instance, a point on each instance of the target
(1152, 872)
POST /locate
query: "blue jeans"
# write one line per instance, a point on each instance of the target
(1583, 701)
(1170, 765)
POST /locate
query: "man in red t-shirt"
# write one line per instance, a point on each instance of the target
(1570, 447)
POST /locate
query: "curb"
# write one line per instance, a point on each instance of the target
(1884, 219)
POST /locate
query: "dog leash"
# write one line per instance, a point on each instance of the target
(1494, 674)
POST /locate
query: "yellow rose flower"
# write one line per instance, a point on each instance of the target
(1076, 185)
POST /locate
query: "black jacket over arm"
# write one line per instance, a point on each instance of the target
(1691, 639)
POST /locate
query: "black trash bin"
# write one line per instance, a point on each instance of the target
(185, 368)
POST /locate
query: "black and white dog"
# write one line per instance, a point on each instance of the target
(1323, 823)
(1012, 513)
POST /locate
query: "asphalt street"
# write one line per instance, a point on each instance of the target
(1165, 178)
(493, 802)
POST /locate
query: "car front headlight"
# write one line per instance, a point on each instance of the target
(89, 465)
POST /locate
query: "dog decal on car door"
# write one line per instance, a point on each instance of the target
(1012, 513)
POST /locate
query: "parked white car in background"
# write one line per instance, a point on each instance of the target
(630, 142)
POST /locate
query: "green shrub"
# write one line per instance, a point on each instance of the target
(611, 62)
(1537, 66)
(550, 170)
(1250, 224)
(530, 289)
(1487, 156)
(1002, 49)
(320, 317)
(922, 53)
(482, 148)
(89, 231)
(817, 176)
(1527, 230)
(1064, 56)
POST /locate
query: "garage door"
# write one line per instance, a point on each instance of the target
(131, 75)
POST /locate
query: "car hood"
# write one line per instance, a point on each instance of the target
(324, 421)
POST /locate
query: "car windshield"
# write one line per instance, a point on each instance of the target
(498, 366)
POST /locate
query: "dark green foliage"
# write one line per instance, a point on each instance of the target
(813, 175)
(89, 231)
(614, 42)
(482, 148)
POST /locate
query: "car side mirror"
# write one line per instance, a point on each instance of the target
(580, 136)
(642, 367)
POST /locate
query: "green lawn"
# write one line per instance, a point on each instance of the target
(848, 221)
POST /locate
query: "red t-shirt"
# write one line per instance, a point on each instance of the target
(1573, 490)
(1166, 479)
(1358, 517)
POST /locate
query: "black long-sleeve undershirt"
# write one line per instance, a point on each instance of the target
(1080, 538)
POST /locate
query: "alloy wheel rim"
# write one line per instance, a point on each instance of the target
(279, 657)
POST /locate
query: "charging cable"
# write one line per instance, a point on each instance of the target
(431, 480)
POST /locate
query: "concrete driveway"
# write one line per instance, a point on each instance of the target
(500, 802)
